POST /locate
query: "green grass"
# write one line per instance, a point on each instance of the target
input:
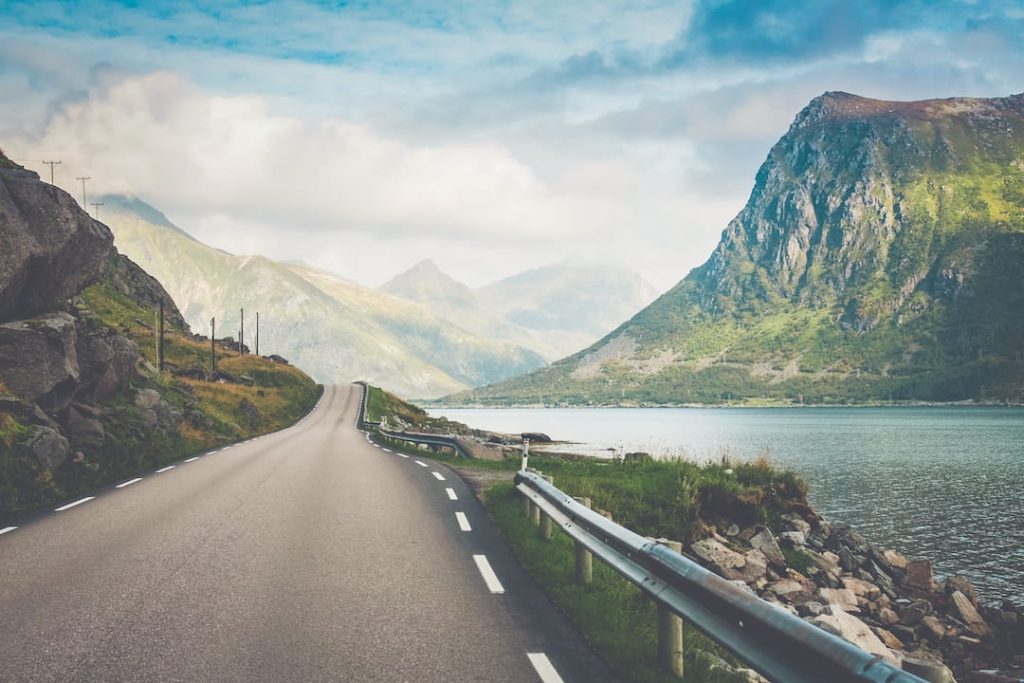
(613, 615)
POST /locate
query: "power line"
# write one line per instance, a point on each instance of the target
(83, 179)
(51, 164)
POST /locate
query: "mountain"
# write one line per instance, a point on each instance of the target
(83, 401)
(334, 329)
(554, 310)
(880, 256)
(574, 304)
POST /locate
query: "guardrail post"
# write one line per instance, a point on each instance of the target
(545, 521)
(534, 508)
(525, 505)
(670, 630)
(584, 558)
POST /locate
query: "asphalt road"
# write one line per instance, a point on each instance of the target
(305, 555)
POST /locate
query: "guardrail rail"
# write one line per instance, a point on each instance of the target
(772, 641)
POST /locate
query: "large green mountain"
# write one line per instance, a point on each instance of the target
(334, 329)
(880, 256)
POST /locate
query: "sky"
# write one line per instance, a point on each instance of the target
(490, 137)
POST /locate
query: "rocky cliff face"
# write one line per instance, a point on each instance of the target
(878, 257)
(58, 362)
(49, 248)
(863, 190)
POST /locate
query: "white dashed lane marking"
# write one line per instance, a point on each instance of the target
(463, 522)
(421, 463)
(438, 476)
(488, 574)
(62, 508)
(128, 483)
(542, 665)
(164, 469)
(193, 459)
(451, 494)
(7, 529)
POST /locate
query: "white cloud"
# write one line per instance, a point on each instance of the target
(248, 180)
(162, 138)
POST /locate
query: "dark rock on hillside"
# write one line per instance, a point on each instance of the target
(125, 277)
(38, 360)
(49, 248)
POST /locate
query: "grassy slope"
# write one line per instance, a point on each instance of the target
(214, 413)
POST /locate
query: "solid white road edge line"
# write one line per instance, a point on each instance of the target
(543, 667)
(193, 459)
(451, 494)
(488, 575)
(128, 483)
(62, 508)
(7, 529)
(463, 522)
(438, 476)
(421, 463)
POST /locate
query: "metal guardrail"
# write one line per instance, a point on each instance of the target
(363, 422)
(775, 643)
(427, 439)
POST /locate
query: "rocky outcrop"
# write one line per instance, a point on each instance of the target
(58, 363)
(39, 360)
(873, 597)
(49, 248)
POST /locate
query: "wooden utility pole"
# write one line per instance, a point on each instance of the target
(257, 333)
(241, 333)
(96, 208)
(213, 348)
(160, 338)
(51, 164)
(83, 179)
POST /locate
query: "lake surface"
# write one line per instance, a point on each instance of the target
(940, 483)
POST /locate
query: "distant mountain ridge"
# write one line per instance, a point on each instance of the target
(421, 335)
(880, 256)
(334, 329)
(555, 310)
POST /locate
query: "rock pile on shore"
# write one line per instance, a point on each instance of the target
(891, 606)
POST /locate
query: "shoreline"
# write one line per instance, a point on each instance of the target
(431, 405)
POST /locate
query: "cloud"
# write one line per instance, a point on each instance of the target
(489, 136)
(161, 137)
(342, 195)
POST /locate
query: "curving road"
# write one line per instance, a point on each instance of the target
(305, 555)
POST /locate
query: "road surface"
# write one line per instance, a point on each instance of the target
(305, 555)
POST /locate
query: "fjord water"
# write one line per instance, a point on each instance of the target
(942, 483)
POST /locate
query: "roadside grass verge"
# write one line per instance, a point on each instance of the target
(615, 618)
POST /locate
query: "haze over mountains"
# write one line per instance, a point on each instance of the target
(555, 310)
(422, 335)
(880, 256)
